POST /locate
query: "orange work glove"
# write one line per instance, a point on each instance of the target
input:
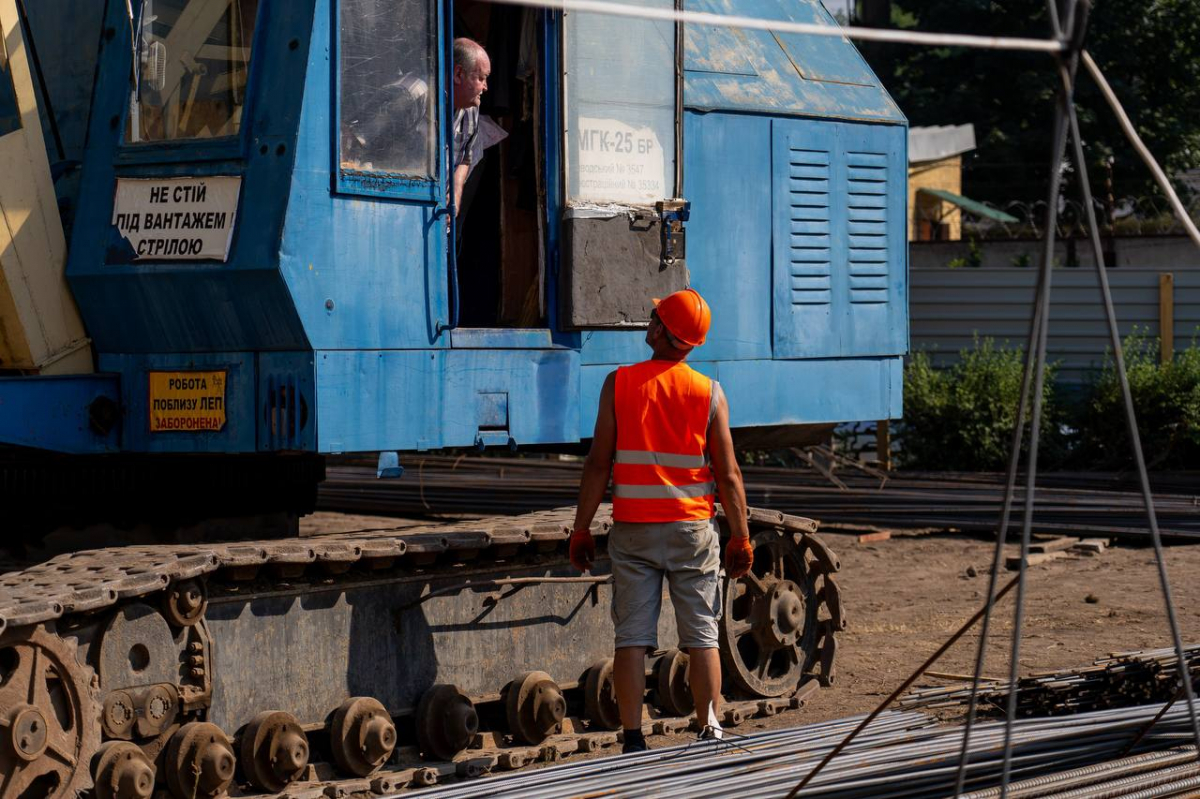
(583, 549)
(739, 557)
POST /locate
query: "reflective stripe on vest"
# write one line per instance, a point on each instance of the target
(661, 468)
(664, 492)
(647, 458)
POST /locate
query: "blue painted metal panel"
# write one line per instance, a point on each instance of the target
(805, 392)
(780, 74)
(785, 392)
(410, 400)
(240, 431)
(501, 338)
(839, 227)
(143, 307)
(364, 272)
(51, 413)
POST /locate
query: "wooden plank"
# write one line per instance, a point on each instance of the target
(1096, 545)
(1013, 562)
(881, 535)
(1054, 544)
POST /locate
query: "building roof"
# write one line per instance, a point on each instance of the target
(939, 141)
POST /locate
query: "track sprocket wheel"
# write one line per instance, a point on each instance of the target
(779, 620)
(49, 717)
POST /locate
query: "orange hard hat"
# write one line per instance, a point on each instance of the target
(686, 315)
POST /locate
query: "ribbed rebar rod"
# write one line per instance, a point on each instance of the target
(1064, 100)
(1010, 484)
(1131, 425)
(1026, 789)
(903, 687)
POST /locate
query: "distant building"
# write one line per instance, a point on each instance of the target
(935, 198)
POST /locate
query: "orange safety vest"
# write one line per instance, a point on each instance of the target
(661, 471)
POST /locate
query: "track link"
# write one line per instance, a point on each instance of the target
(778, 636)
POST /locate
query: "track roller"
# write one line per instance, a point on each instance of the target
(535, 707)
(121, 770)
(446, 722)
(362, 736)
(274, 750)
(672, 686)
(600, 696)
(199, 761)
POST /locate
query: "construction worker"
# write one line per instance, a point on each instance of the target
(662, 432)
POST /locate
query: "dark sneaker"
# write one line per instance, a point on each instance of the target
(634, 746)
(711, 732)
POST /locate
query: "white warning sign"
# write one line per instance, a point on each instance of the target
(172, 219)
(619, 163)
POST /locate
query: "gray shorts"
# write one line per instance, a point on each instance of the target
(688, 554)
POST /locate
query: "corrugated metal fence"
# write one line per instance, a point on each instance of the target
(949, 307)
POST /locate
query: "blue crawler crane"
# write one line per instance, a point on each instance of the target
(268, 263)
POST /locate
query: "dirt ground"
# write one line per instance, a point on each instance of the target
(905, 596)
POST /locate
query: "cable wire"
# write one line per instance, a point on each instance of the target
(787, 26)
(1114, 335)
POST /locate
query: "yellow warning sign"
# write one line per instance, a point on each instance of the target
(189, 402)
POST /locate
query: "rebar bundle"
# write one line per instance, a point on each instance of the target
(901, 754)
(483, 485)
(1122, 679)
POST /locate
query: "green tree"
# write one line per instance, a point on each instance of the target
(1150, 52)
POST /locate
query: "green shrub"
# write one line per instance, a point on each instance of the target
(961, 418)
(1166, 398)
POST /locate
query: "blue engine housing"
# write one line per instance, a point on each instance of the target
(330, 316)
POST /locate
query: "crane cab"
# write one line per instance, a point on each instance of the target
(267, 255)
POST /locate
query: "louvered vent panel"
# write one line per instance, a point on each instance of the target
(866, 220)
(810, 262)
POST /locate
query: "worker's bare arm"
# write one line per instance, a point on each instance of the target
(726, 471)
(597, 469)
(460, 179)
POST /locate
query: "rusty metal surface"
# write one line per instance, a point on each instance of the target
(48, 716)
(300, 625)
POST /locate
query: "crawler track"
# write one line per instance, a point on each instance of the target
(333, 664)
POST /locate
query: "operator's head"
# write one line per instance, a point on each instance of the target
(471, 70)
(678, 323)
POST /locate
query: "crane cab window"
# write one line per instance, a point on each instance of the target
(387, 55)
(192, 63)
(621, 108)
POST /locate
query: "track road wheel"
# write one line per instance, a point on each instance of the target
(446, 722)
(600, 696)
(49, 717)
(274, 750)
(535, 707)
(199, 761)
(121, 770)
(672, 686)
(362, 736)
(769, 627)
